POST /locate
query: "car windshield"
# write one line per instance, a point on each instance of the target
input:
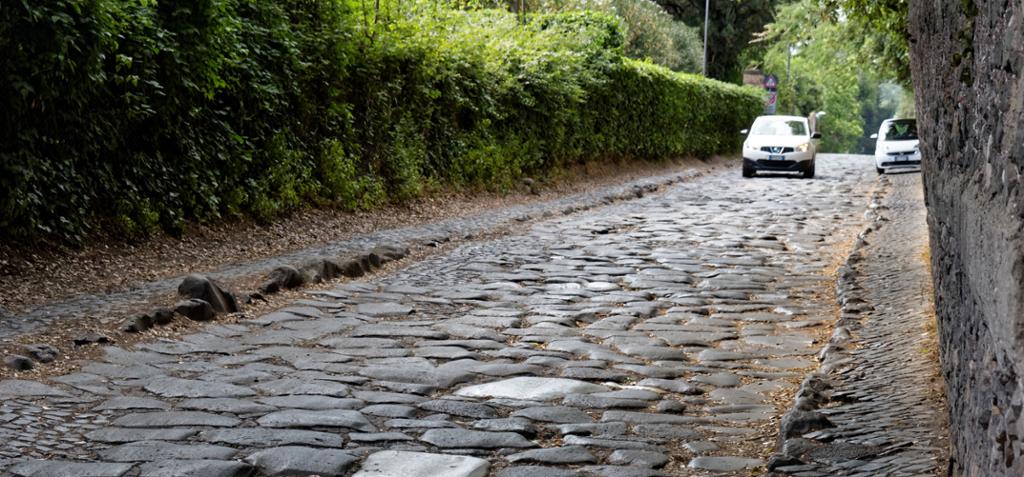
(779, 127)
(901, 131)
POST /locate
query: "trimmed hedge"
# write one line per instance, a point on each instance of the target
(134, 115)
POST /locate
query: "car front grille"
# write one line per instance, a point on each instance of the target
(901, 163)
(776, 150)
(768, 164)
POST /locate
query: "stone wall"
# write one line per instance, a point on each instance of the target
(968, 68)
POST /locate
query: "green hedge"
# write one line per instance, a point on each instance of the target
(135, 115)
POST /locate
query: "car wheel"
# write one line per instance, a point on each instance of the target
(748, 171)
(809, 170)
(879, 170)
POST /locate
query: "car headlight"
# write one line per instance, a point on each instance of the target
(747, 147)
(804, 147)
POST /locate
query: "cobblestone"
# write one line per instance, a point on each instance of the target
(658, 336)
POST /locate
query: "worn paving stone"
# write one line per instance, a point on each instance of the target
(261, 437)
(536, 471)
(531, 388)
(229, 405)
(146, 451)
(117, 435)
(175, 418)
(555, 414)
(370, 437)
(421, 464)
(383, 310)
(725, 464)
(611, 442)
(195, 468)
(51, 468)
(131, 402)
(666, 431)
(293, 460)
(304, 418)
(389, 410)
(555, 455)
(15, 388)
(462, 438)
(721, 380)
(292, 386)
(623, 471)
(511, 424)
(460, 408)
(175, 387)
(639, 458)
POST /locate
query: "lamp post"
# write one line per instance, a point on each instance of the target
(707, 8)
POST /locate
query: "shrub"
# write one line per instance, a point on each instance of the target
(135, 115)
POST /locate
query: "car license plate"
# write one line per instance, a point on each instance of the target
(902, 157)
(776, 158)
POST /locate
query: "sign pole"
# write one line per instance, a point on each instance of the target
(771, 83)
(707, 8)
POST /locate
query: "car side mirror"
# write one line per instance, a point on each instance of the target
(874, 136)
(745, 132)
(816, 135)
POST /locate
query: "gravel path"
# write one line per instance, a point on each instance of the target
(659, 336)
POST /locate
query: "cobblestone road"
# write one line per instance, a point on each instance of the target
(661, 336)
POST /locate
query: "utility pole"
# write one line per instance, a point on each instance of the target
(707, 8)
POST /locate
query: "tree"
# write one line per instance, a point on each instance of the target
(882, 28)
(651, 32)
(732, 24)
(817, 71)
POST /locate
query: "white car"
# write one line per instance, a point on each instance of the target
(779, 144)
(897, 148)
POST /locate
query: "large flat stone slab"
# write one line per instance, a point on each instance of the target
(531, 388)
(294, 460)
(192, 388)
(196, 468)
(175, 418)
(379, 310)
(303, 418)
(23, 388)
(462, 438)
(148, 451)
(56, 468)
(420, 464)
(117, 435)
(260, 437)
(724, 464)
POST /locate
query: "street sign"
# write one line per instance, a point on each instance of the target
(771, 82)
(772, 100)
